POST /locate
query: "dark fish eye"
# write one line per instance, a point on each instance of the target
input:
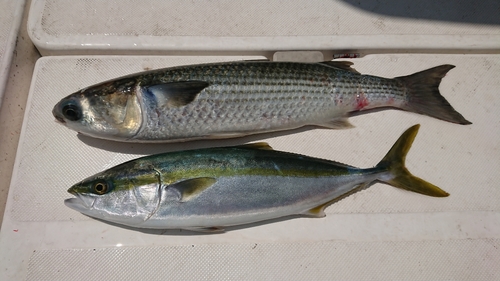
(72, 112)
(100, 187)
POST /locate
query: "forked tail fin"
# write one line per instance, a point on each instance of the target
(424, 96)
(394, 162)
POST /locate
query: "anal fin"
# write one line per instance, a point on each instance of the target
(338, 123)
(319, 211)
(211, 229)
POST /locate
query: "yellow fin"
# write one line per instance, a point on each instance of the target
(319, 211)
(192, 187)
(394, 162)
(257, 145)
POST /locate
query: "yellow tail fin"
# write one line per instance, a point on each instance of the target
(394, 161)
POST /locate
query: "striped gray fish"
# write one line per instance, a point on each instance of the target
(231, 99)
(213, 188)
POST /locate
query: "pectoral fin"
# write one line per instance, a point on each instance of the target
(176, 94)
(191, 188)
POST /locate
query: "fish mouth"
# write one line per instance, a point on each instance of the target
(80, 203)
(59, 119)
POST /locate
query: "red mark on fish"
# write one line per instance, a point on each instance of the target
(361, 101)
(390, 101)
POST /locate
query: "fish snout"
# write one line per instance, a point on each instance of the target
(57, 114)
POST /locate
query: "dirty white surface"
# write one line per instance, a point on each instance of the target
(10, 20)
(177, 26)
(380, 233)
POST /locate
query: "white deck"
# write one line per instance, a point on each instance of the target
(380, 233)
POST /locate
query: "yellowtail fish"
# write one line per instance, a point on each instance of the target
(232, 99)
(210, 189)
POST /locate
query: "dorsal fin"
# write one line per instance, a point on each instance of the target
(344, 65)
(257, 145)
(176, 94)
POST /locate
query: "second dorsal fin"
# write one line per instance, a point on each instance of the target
(344, 65)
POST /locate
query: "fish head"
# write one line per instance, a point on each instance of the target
(130, 198)
(109, 110)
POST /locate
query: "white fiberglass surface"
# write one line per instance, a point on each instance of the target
(152, 27)
(381, 232)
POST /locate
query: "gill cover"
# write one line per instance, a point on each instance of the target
(127, 194)
(110, 110)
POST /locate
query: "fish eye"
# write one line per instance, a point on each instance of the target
(72, 112)
(100, 187)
